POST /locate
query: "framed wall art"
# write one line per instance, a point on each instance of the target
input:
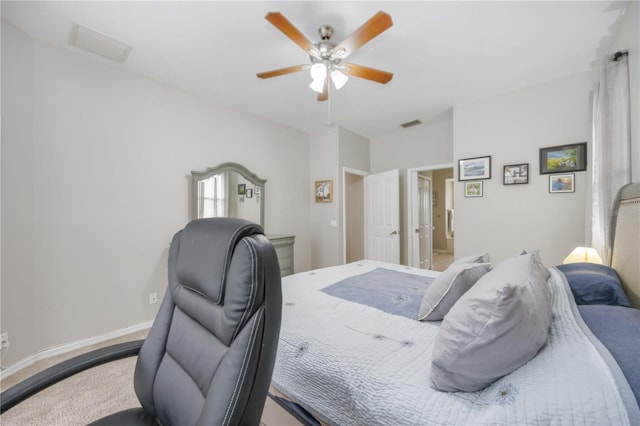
(562, 183)
(563, 158)
(474, 168)
(515, 174)
(473, 189)
(324, 191)
(242, 188)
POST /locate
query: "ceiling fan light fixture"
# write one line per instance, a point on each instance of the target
(339, 79)
(317, 85)
(318, 73)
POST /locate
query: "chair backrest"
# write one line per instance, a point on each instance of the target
(209, 355)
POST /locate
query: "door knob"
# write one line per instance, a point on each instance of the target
(394, 233)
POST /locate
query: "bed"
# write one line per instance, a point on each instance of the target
(550, 345)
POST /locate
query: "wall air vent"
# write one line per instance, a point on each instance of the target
(411, 123)
(100, 44)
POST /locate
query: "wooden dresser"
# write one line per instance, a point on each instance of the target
(284, 249)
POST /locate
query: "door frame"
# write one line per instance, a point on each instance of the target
(343, 230)
(412, 202)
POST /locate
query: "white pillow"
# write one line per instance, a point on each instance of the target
(496, 327)
(447, 288)
(475, 258)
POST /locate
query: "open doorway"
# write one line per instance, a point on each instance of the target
(431, 217)
(353, 214)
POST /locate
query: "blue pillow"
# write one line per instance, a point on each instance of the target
(593, 284)
(619, 330)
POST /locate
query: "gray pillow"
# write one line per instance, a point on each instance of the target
(476, 258)
(496, 327)
(447, 288)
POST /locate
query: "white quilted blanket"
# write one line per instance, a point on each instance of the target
(351, 364)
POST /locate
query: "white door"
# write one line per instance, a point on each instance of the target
(382, 217)
(425, 229)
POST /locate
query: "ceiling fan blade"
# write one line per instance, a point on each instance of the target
(280, 22)
(282, 71)
(325, 91)
(376, 25)
(365, 72)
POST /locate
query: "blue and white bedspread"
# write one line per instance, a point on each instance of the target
(352, 364)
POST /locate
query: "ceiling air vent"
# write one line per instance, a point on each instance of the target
(411, 123)
(100, 44)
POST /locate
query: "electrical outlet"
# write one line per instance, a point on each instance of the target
(153, 298)
(4, 341)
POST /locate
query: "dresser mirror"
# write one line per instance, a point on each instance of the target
(228, 190)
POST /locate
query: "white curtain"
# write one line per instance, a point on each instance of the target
(610, 147)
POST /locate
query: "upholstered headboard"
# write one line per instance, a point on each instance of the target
(625, 240)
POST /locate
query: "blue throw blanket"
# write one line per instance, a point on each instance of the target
(394, 292)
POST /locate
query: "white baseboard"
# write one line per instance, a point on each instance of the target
(68, 347)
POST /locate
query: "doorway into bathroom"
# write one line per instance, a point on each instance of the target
(431, 217)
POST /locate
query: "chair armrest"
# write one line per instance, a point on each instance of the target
(65, 369)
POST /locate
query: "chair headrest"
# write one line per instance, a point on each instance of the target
(206, 248)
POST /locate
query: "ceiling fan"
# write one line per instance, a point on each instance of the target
(327, 56)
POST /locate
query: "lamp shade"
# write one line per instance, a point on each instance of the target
(318, 74)
(583, 254)
(339, 79)
(317, 85)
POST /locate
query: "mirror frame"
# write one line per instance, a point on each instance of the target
(226, 167)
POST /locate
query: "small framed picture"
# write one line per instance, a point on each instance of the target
(474, 168)
(473, 189)
(324, 191)
(562, 183)
(249, 193)
(563, 158)
(242, 188)
(515, 174)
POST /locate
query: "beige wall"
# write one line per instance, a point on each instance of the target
(511, 128)
(95, 182)
(325, 238)
(95, 166)
(422, 146)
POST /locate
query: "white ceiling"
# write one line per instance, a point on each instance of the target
(441, 53)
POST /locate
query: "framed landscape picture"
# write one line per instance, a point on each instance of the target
(474, 168)
(563, 158)
(515, 174)
(562, 183)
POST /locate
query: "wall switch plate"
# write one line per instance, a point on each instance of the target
(4, 340)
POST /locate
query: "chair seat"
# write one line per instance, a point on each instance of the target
(130, 417)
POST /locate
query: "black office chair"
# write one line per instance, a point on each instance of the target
(209, 355)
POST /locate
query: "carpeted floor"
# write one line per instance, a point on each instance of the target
(80, 399)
